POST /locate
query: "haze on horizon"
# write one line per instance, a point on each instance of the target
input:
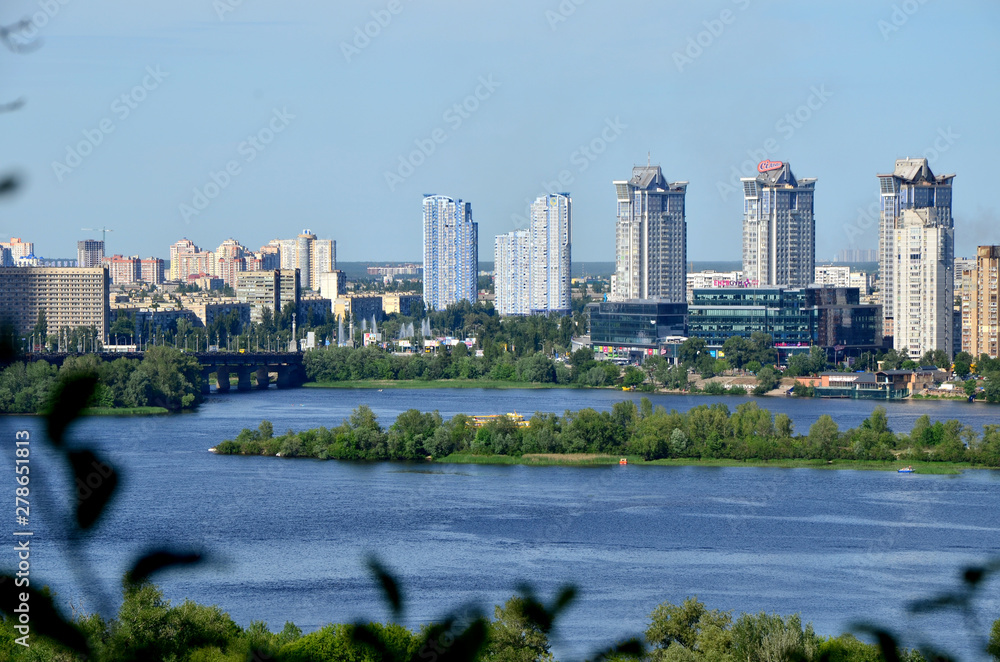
(299, 116)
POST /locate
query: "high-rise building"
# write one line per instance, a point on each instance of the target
(779, 229)
(532, 267)
(984, 319)
(311, 256)
(650, 238)
(511, 273)
(187, 260)
(549, 246)
(151, 270)
(268, 289)
(911, 185)
(451, 252)
(89, 253)
(924, 283)
(19, 250)
(69, 297)
(123, 270)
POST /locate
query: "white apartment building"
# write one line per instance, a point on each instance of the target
(924, 285)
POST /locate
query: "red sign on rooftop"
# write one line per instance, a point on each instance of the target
(768, 165)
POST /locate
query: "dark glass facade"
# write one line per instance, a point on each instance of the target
(828, 317)
(639, 324)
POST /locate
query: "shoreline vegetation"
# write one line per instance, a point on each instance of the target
(706, 435)
(164, 380)
(148, 627)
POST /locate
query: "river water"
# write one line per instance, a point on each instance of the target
(288, 538)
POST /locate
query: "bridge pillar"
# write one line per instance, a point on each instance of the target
(284, 376)
(243, 375)
(263, 377)
(205, 373)
(222, 379)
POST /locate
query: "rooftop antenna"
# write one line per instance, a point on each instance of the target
(649, 159)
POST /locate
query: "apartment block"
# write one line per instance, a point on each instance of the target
(70, 297)
(984, 320)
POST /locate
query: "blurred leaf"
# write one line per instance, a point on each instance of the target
(973, 576)
(94, 483)
(8, 344)
(628, 648)
(886, 641)
(45, 619)
(390, 588)
(68, 400)
(363, 635)
(468, 644)
(159, 560)
(566, 595)
(9, 184)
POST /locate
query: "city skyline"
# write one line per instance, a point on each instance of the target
(160, 141)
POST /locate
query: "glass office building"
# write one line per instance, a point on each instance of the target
(640, 324)
(832, 318)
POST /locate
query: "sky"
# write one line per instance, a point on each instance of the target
(211, 119)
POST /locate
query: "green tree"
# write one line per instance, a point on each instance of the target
(633, 377)
(824, 435)
(936, 357)
(513, 637)
(767, 380)
(963, 364)
(971, 387)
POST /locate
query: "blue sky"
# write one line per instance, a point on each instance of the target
(254, 119)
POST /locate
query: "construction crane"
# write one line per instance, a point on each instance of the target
(104, 232)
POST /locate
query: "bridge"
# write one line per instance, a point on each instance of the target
(287, 367)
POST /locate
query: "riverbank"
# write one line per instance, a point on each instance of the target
(591, 460)
(441, 383)
(125, 411)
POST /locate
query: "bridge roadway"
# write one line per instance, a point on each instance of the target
(287, 367)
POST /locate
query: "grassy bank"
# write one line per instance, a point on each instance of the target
(584, 459)
(436, 383)
(125, 411)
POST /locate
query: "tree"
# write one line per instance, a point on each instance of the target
(690, 350)
(633, 377)
(513, 637)
(688, 631)
(935, 357)
(963, 364)
(824, 435)
(737, 351)
(971, 387)
(767, 380)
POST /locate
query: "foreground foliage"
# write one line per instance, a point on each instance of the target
(165, 377)
(149, 628)
(704, 432)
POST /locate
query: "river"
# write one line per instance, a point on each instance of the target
(288, 537)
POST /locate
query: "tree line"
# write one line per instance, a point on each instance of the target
(147, 627)
(652, 433)
(164, 377)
